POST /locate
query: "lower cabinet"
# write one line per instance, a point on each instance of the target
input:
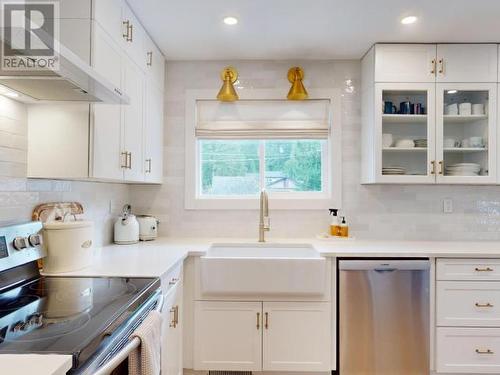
(268, 336)
(171, 335)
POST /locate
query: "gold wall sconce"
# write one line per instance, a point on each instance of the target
(227, 92)
(297, 91)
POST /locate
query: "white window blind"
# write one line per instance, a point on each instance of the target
(263, 119)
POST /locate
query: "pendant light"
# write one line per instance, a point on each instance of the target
(297, 91)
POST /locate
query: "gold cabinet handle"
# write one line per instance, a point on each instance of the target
(131, 33)
(486, 351)
(127, 35)
(441, 66)
(486, 269)
(433, 66)
(175, 320)
(150, 58)
(125, 154)
(483, 304)
(148, 169)
(441, 163)
(129, 160)
(266, 323)
(258, 321)
(433, 165)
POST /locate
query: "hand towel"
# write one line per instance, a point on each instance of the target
(145, 360)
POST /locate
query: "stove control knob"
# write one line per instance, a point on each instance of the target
(20, 243)
(35, 239)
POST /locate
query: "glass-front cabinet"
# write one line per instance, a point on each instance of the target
(444, 133)
(405, 123)
(466, 133)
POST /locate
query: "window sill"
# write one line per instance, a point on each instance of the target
(253, 204)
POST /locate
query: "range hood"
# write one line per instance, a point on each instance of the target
(72, 81)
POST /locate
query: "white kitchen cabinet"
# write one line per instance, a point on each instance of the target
(154, 64)
(468, 350)
(467, 63)
(172, 326)
(463, 128)
(153, 134)
(228, 336)
(133, 121)
(108, 13)
(133, 36)
(405, 62)
(296, 336)
(468, 269)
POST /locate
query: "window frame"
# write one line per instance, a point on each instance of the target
(331, 197)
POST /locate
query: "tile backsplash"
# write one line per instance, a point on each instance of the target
(384, 212)
(18, 195)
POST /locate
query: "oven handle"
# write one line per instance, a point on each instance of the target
(126, 350)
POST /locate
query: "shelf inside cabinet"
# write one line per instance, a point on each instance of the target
(405, 149)
(465, 149)
(463, 118)
(412, 119)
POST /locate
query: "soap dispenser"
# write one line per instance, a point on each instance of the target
(344, 228)
(335, 224)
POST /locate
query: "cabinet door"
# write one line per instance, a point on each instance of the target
(154, 63)
(297, 336)
(467, 62)
(404, 132)
(153, 134)
(228, 336)
(107, 161)
(134, 36)
(108, 13)
(171, 344)
(466, 133)
(405, 62)
(133, 121)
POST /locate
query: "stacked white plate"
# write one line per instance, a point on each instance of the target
(420, 143)
(393, 171)
(463, 169)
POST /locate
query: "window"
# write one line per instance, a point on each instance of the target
(234, 150)
(244, 167)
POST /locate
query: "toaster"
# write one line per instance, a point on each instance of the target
(148, 227)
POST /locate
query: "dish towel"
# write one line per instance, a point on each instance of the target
(145, 359)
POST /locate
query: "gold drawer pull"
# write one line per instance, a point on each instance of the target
(483, 304)
(175, 320)
(487, 269)
(266, 324)
(258, 321)
(487, 351)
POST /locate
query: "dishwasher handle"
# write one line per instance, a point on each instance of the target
(384, 265)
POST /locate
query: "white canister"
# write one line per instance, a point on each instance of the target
(69, 245)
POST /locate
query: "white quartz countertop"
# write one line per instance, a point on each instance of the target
(39, 364)
(155, 258)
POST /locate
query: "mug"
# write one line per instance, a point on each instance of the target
(405, 108)
(450, 143)
(386, 140)
(451, 109)
(465, 109)
(476, 141)
(478, 109)
(389, 108)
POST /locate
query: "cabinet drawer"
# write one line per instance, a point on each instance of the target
(172, 278)
(468, 350)
(468, 269)
(468, 303)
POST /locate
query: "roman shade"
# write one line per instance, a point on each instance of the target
(263, 119)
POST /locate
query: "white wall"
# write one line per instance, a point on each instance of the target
(19, 195)
(389, 212)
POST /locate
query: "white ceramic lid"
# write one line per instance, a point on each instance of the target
(61, 225)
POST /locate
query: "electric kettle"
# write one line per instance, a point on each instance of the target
(126, 227)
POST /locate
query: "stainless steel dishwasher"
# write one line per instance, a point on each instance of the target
(383, 317)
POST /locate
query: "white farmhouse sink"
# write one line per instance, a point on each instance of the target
(262, 269)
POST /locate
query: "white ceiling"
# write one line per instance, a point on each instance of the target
(309, 29)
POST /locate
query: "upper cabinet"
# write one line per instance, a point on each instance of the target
(467, 63)
(435, 63)
(405, 62)
(111, 142)
(429, 114)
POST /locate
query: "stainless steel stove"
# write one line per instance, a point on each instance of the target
(90, 318)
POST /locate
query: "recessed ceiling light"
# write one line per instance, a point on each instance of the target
(409, 20)
(452, 91)
(230, 20)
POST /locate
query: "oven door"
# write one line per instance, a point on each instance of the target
(117, 347)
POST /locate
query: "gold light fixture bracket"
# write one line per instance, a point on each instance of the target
(297, 91)
(227, 93)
